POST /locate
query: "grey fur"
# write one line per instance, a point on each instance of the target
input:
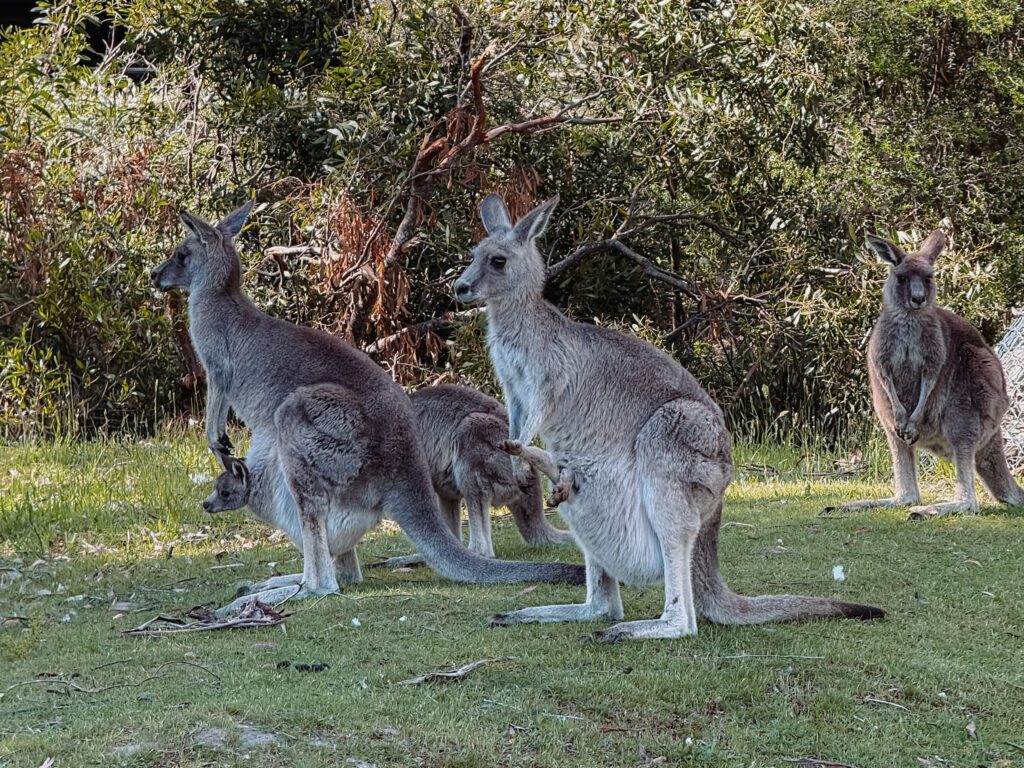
(462, 432)
(338, 430)
(647, 447)
(936, 385)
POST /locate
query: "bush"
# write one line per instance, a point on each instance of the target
(780, 131)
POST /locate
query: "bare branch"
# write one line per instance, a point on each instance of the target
(613, 244)
(445, 322)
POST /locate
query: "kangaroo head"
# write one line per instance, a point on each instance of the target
(911, 283)
(506, 263)
(231, 490)
(207, 257)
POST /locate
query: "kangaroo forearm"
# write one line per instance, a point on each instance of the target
(890, 390)
(927, 385)
(217, 418)
(542, 461)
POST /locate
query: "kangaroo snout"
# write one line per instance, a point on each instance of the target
(463, 290)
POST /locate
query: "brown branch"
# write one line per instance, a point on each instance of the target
(754, 301)
(444, 322)
(649, 267)
(439, 156)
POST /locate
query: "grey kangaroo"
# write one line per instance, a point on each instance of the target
(462, 431)
(236, 487)
(935, 384)
(648, 448)
(339, 431)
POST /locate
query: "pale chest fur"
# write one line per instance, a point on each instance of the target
(903, 347)
(521, 370)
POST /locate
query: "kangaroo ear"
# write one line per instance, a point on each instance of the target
(886, 251)
(207, 234)
(232, 223)
(237, 468)
(533, 224)
(494, 215)
(933, 245)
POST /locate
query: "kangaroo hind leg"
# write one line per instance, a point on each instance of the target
(994, 471)
(603, 602)
(674, 512)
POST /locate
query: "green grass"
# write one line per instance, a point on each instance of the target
(98, 523)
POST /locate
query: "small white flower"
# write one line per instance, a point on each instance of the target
(838, 573)
(356, 623)
(403, 618)
(689, 741)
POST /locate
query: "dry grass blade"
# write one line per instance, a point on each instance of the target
(455, 674)
(254, 614)
(813, 761)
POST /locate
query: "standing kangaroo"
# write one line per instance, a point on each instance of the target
(648, 448)
(339, 430)
(935, 384)
(462, 432)
(237, 487)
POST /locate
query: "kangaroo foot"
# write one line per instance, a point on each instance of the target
(273, 597)
(405, 561)
(941, 510)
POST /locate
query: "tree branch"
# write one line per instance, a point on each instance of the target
(445, 322)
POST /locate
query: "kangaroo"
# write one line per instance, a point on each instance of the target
(339, 429)
(462, 431)
(935, 384)
(648, 448)
(236, 487)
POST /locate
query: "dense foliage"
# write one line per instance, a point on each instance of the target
(742, 147)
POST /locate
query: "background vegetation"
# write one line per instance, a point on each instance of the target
(718, 167)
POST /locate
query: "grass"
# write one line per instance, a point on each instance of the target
(89, 525)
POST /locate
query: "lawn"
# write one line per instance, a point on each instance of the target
(97, 538)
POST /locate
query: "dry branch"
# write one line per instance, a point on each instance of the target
(466, 131)
(455, 674)
(254, 614)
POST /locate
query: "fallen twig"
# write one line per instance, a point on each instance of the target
(873, 700)
(768, 656)
(816, 762)
(48, 679)
(455, 674)
(254, 614)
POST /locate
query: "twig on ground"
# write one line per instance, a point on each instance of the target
(873, 700)
(813, 761)
(455, 674)
(71, 686)
(742, 656)
(254, 614)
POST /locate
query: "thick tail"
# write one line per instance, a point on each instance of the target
(717, 603)
(420, 519)
(528, 513)
(991, 465)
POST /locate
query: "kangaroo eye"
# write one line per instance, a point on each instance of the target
(181, 256)
(901, 279)
(223, 493)
(498, 262)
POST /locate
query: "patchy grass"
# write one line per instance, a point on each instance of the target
(83, 527)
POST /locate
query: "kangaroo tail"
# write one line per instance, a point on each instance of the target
(994, 471)
(717, 603)
(416, 512)
(528, 513)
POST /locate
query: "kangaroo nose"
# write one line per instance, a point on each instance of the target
(462, 290)
(206, 505)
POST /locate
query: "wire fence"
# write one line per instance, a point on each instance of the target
(1010, 351)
